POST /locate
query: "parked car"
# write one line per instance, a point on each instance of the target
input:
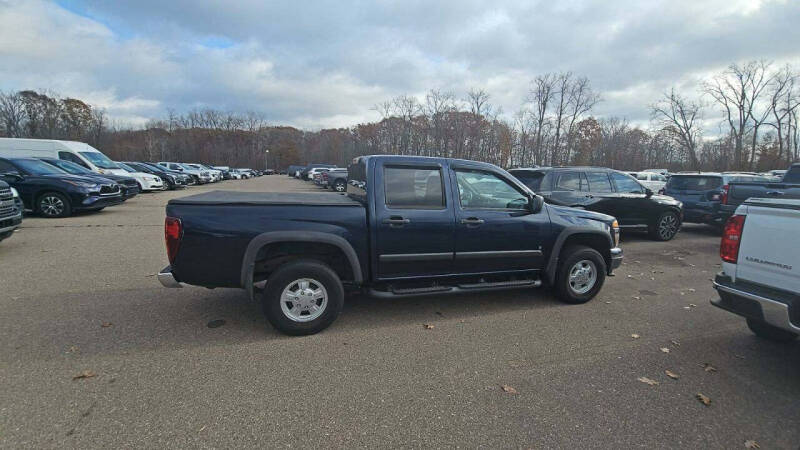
(82, 154)
(740, 189)
(128, 185)
(664, 172)
(314, 171)
(760, 278)
(304, 174)
(291, 171)
(147, 182)
(215, 175)
(10, 210)
(198, 176)
(180, 177)
(226, 171)
(52, 192)
(651, 180)
(703, 194)
(420, 226)
(609, 192)
(315, 175)
(170, 181)
(246, 173)
(335, 179)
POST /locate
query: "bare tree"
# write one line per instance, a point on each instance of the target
(540, 95)
(784, 99)
(12, 114)
(680, 118)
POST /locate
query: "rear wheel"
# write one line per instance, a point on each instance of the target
(303, 297)
(666, 227)
(53, 204)
(767, 331)
(580, 274)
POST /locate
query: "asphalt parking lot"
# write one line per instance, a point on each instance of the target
(79, 294)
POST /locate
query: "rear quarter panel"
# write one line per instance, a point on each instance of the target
(215, 237)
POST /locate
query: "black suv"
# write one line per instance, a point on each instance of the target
(51, 192)
(129, 186)
(607, 191)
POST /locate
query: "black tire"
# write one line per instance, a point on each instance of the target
(339, 186)
(568, 289)
(665, 227)
(53, 205)
(286, 278)
(767, 331)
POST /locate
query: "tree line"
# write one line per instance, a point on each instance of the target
(743, 118)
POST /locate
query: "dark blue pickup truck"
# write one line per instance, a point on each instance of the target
(406, 226)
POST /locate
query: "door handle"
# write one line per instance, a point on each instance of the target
(774, 192)
(472, 221)
(396, 221)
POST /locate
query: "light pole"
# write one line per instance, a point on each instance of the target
(266, 160)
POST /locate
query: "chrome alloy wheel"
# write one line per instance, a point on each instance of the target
(582, 276)
(668, 226)
(50, 205)
(304, 300)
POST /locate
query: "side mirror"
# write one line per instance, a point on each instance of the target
(648, 192)
(536, 203)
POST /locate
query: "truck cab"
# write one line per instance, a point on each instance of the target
(406, 226)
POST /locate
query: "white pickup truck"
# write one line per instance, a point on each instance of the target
(760, 278)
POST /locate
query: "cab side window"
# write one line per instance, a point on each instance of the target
(413, 188)
(483, 190)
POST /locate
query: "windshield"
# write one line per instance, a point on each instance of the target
(100, 160)
(69, 167)
(126, 168)
(694, 183)
(36, 167)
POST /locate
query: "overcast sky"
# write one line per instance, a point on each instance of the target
(327, 63)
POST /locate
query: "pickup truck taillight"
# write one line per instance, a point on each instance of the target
(725, 194)
(173, 231)
(731, 237)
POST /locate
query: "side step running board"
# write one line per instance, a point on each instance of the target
(458, 288)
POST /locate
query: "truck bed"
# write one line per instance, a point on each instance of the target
(266, 198)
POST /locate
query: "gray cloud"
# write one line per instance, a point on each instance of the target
(321, 64)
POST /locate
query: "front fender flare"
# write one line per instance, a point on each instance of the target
(552, 262)
(249, 259)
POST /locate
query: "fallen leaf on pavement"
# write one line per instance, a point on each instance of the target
(709, 368)
(692, 305)
(635, 336)
(665, 349)
(508, 389)
(691, 289)
(646, 380)
(687, 307)
(428, 326)
(703, 399)
(84, 374)
(635, 297)
(106, 324)
(671, 374)
(675, 343)
(751, 444)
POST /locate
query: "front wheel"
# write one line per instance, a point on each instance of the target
(53, 204)
(666, 227)
(303, 297)
(580, 275)
(339, 186)
(767, 331)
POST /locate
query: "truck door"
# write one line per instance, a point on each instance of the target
(414, 221)
(495, 232)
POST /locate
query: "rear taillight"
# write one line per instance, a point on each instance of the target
(173, 231)
(725, 194)
(731, 237)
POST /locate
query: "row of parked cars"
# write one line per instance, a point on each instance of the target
(57, 178)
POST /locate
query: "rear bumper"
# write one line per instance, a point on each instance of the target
(166, 278)
(777, 308)
(616, 259)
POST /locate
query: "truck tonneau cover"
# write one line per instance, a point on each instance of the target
(265, 198)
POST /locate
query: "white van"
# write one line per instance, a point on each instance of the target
(77, 152)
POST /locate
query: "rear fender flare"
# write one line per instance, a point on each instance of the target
(258, 242)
